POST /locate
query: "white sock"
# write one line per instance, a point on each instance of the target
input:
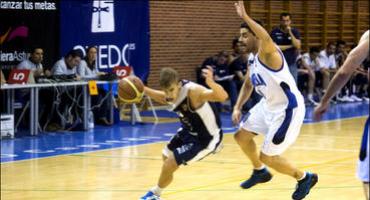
(157, 190)
(260, 168)
(310, 96)
(304, 176)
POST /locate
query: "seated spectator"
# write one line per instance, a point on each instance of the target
(360, 84)
(99, 103)
(340, 57)
(360, 81)
(239, 65)
(225, 78)
(306, 74)
(2, 92)
(68, 64)
(340, 52)
(210, 61)
(87, 67)
(34, 62)
(235, 50)
(67, 107)
(222, 75)
(2, 78)
(239, 68)
(311, 60)
(328, 63)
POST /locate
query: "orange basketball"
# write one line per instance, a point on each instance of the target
(130, 89)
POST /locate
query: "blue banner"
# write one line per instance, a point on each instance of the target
(120, 30)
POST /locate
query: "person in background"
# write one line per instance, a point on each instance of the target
(358, 56)
(99, 103)
(87, 66)
(239, 68)
(327, 63)
(288, 40)
(65, 114)
(340, 56)
(34, 62)
(2, 78)
(68, 64)
(235, 50)
(224, 77)
(306, 74)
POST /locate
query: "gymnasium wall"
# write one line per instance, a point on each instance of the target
(184, 33)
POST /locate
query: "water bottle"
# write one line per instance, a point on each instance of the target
(91, 120)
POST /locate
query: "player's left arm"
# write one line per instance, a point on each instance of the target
(216, 93)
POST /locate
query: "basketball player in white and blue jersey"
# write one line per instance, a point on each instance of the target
(358, 56)
(200, 133)
(279, 114)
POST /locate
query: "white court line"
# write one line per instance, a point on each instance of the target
(83, 152)
(330, 136)
(309, 148)
(28, 159)
(324, 149)
(333, 120)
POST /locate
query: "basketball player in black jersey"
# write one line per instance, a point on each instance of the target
(200, 133)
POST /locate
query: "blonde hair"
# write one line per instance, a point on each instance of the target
(168, 76)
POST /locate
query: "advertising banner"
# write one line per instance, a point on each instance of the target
(25, 24)
(120, 30)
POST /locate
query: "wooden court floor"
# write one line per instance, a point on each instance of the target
(329, 149)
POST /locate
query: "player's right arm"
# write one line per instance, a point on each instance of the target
(157, 95)
(244, 94)
(268, 52)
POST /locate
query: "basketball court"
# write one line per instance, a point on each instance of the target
(123, 161)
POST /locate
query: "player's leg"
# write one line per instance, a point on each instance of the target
(283, 132)
(281, 165)
(325, 78)
(246, 142)
(364, 162)
(311, 86)
(169, 166)
(260, 173)
(245, 139)
(366, 190)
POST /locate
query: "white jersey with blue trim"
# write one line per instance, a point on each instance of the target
(277, 87)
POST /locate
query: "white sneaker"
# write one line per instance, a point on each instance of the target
(341, 99)
(365, 99)
(348, 99)
(355, 98)
(313, 102)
